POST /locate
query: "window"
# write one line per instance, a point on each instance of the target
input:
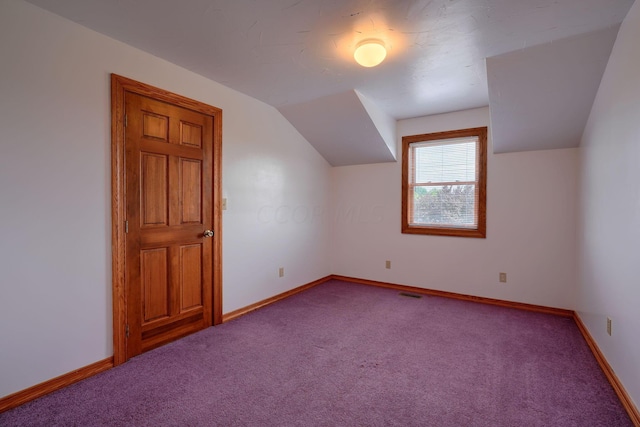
(444, 178)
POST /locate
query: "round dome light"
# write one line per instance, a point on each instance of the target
(370, 53)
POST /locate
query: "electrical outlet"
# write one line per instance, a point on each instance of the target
(609, 326)
(387, 264)
(503, 277)
(281, 272)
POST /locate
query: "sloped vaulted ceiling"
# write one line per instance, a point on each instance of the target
(297, 55)
(541, 96)
(344, 130)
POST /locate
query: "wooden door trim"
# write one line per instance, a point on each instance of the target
(119, 86)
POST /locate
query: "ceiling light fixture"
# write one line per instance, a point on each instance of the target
(370, 52)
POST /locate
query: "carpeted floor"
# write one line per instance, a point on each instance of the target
(342, 354)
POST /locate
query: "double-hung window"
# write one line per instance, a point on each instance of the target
(444, 179)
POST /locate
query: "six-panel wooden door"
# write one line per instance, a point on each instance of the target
(168, 184)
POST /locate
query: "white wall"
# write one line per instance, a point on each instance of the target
(609, 244)
(55, 260)
(55, 248)
(531, 209)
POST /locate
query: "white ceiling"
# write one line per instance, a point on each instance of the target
(288, 52)
(541, 96)
(346, 129)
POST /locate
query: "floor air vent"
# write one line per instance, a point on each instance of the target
(404, 294)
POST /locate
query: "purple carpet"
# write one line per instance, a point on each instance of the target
(342, 354)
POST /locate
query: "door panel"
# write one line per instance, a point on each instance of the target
(154, 271)
(154, 170)
(155, 126)
(168, 174)
(191, 191)
(191, 134)
(190, 277)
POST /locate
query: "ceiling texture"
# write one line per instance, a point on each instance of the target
(536, 63)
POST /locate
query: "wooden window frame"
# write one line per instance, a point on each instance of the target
(481, 187)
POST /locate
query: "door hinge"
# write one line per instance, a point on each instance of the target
(126, 121)
(126, 330)
(126, 226)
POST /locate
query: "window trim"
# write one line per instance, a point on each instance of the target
(481, 205)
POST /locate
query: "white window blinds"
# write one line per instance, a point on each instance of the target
(443, 182)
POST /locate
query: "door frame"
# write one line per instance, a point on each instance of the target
(119, 86)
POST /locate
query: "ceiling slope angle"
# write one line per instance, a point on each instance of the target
(345, 128)
(289, 52)
(540, 97)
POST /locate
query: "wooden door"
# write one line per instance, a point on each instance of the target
(169, 249)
